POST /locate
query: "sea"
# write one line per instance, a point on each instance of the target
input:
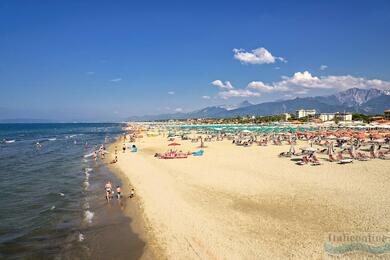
(52, 203)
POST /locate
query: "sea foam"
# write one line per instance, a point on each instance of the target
(88, 216)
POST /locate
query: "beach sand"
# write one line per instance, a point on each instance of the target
(247, 203)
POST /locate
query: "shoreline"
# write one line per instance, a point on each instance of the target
(134, 208)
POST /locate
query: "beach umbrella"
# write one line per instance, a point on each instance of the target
(331, 137)
(173, 144)
(309, 149)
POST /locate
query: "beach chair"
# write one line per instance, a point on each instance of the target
(362, 157)
(315, 161)
(285, 154)
(382, 156)
(342, 160)
(372, 154)
(331, 158)
(303, 161)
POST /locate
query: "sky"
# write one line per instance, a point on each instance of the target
(107, 60)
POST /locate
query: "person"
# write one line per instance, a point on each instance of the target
(116, 150)
(38, 145)
(124, 148)
(118, 192)
(132, 193)
(94, 155)
(108, 189)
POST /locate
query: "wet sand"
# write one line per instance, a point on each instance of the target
(246, 203)
(111, 234)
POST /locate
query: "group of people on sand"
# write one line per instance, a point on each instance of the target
(118, 191)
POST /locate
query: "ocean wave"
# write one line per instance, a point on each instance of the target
(88, 216)
(86, 184)
(86, 205)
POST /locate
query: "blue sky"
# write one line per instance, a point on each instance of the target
(100, 60)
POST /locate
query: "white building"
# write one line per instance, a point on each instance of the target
(305, 112)
(327, 117)
(286, 116)
(344, 116)
(333, 116)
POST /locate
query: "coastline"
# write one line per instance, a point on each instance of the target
(134, 209)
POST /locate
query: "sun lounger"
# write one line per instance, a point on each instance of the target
(362, 157)
(382, 156)
(315, 161)
(331, 158)
(345, 161)
(303, 161)
(285, 154)
(342, 160)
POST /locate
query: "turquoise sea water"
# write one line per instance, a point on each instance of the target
(48, 193)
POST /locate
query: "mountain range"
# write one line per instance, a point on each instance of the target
(365, 101)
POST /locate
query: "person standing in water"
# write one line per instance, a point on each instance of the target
(118, 192)
(108, 189)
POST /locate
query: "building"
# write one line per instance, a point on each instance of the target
(286, 116)
(387, 114)
(344, 116)
(327, 117)
(305, 112)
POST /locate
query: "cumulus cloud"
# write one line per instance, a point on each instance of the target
(238, 93)
(179, 109)
(323, 67)
(218, 83)
(206, 97)
(171, 92)
(257, 56)
(116, 80)
(302, 82)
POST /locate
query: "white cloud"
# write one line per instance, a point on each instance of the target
(302, 82)
(238, 93)
(256, 56)
(323, 67)
(171, 92)
(116, 80)
(206, 97)
(179, 109)
(218, 83)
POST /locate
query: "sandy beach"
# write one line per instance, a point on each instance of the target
(247, 203)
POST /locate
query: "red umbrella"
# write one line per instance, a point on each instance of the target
(173, 144)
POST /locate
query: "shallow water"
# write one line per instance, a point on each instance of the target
(52, 202)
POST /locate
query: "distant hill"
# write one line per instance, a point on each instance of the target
(366, 101)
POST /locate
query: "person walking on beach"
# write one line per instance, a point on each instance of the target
(132, 193)
(124, 148)
(118, 192)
